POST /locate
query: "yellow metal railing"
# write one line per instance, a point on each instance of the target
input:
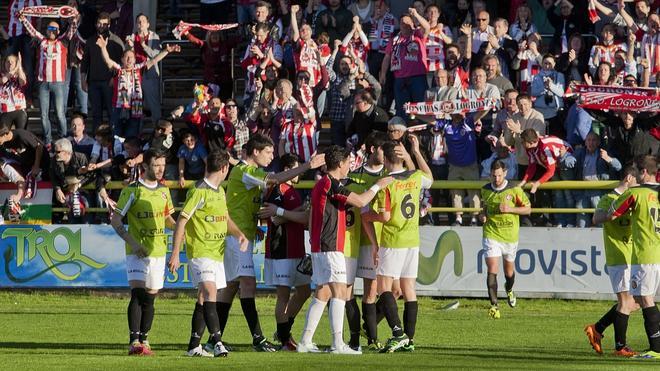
(438, 184)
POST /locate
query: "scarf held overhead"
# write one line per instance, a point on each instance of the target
(618, 98)
(183, 28)
(451, 106)
(49, 11)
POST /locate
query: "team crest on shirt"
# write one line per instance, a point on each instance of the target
(163, 195)
(509, 197)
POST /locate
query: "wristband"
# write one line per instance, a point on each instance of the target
(374, 188)
(279, 211)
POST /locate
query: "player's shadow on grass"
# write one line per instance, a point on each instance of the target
(74, 346)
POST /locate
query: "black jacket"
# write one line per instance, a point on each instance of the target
(364, 123)
(92, 62)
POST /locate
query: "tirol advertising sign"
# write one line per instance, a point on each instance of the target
(550, 262)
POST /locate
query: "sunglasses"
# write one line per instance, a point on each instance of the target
(482, 19)
(52, 28)
(305, 78)
(230, 106)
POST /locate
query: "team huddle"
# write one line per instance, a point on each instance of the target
(361, 223)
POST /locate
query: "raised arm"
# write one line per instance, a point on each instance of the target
(315, 162)
(29, 28)
(294, 23)
(163, 53)
(363, 199)
(421, 20)
(103, 44)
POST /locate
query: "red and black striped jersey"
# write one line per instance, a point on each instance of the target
(328, 216)
(285, 241)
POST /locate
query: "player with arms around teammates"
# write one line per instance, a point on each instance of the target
(618, 253)
(204, 223)
(327, 233)
(503, 203)
(642, 204)
(362, 239)
(398, 255)
(147, 205)
(285, 250)
(245, 187)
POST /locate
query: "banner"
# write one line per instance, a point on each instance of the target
(182, 28)
(618, 98)
(49, 11)
(566, 263)
(556, 263)
(38, 209)
(441, 108)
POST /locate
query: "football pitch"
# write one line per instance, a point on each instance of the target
(82, 330)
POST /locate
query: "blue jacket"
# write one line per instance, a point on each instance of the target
(604, 171)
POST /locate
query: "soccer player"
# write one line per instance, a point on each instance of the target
(642, 204)
(245, 187)
(618, 252)
(359, 261)
(205, 222)
(148, 207)
(398, 255)
(503, 203)
(285, 249)
(327, 233)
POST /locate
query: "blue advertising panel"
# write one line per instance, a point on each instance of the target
(59, 256)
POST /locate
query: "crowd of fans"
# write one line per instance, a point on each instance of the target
(351, 63)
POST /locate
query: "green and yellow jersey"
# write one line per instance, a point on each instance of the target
(245, 187)
(146, 209)
(642, 204)
(617, 234)
(401, 199)
(502, 227)
(366, 178)
(206, 211)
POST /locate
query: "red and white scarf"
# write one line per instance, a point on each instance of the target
(441, 108)
(381, 31)
(593, 13)
(183, 28)
(49, 11)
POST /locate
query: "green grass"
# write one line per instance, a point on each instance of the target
(82, 330)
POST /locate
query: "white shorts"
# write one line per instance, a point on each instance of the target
(207, 270)
(237, 263)
(150, 270)
(495, 249)
(351, 269)
(645, 279)
(284, 272)
(366, 267)
(398, 263)
(619, 277)
(328, 267)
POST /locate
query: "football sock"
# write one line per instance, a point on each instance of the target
(252, 317)
(491, 283)
(353, 317)
(410, 318)
(620, 328)
(314, 314)
(388, 306)
(212, 322)
(508, 284)
(134, 314)
(283, 332)
(197, 325)
(147, 315)
(336, 316)
(290, 326)
(369, 314)
(379, 314)
(223, 314)
(652, 327)
(606, 320)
